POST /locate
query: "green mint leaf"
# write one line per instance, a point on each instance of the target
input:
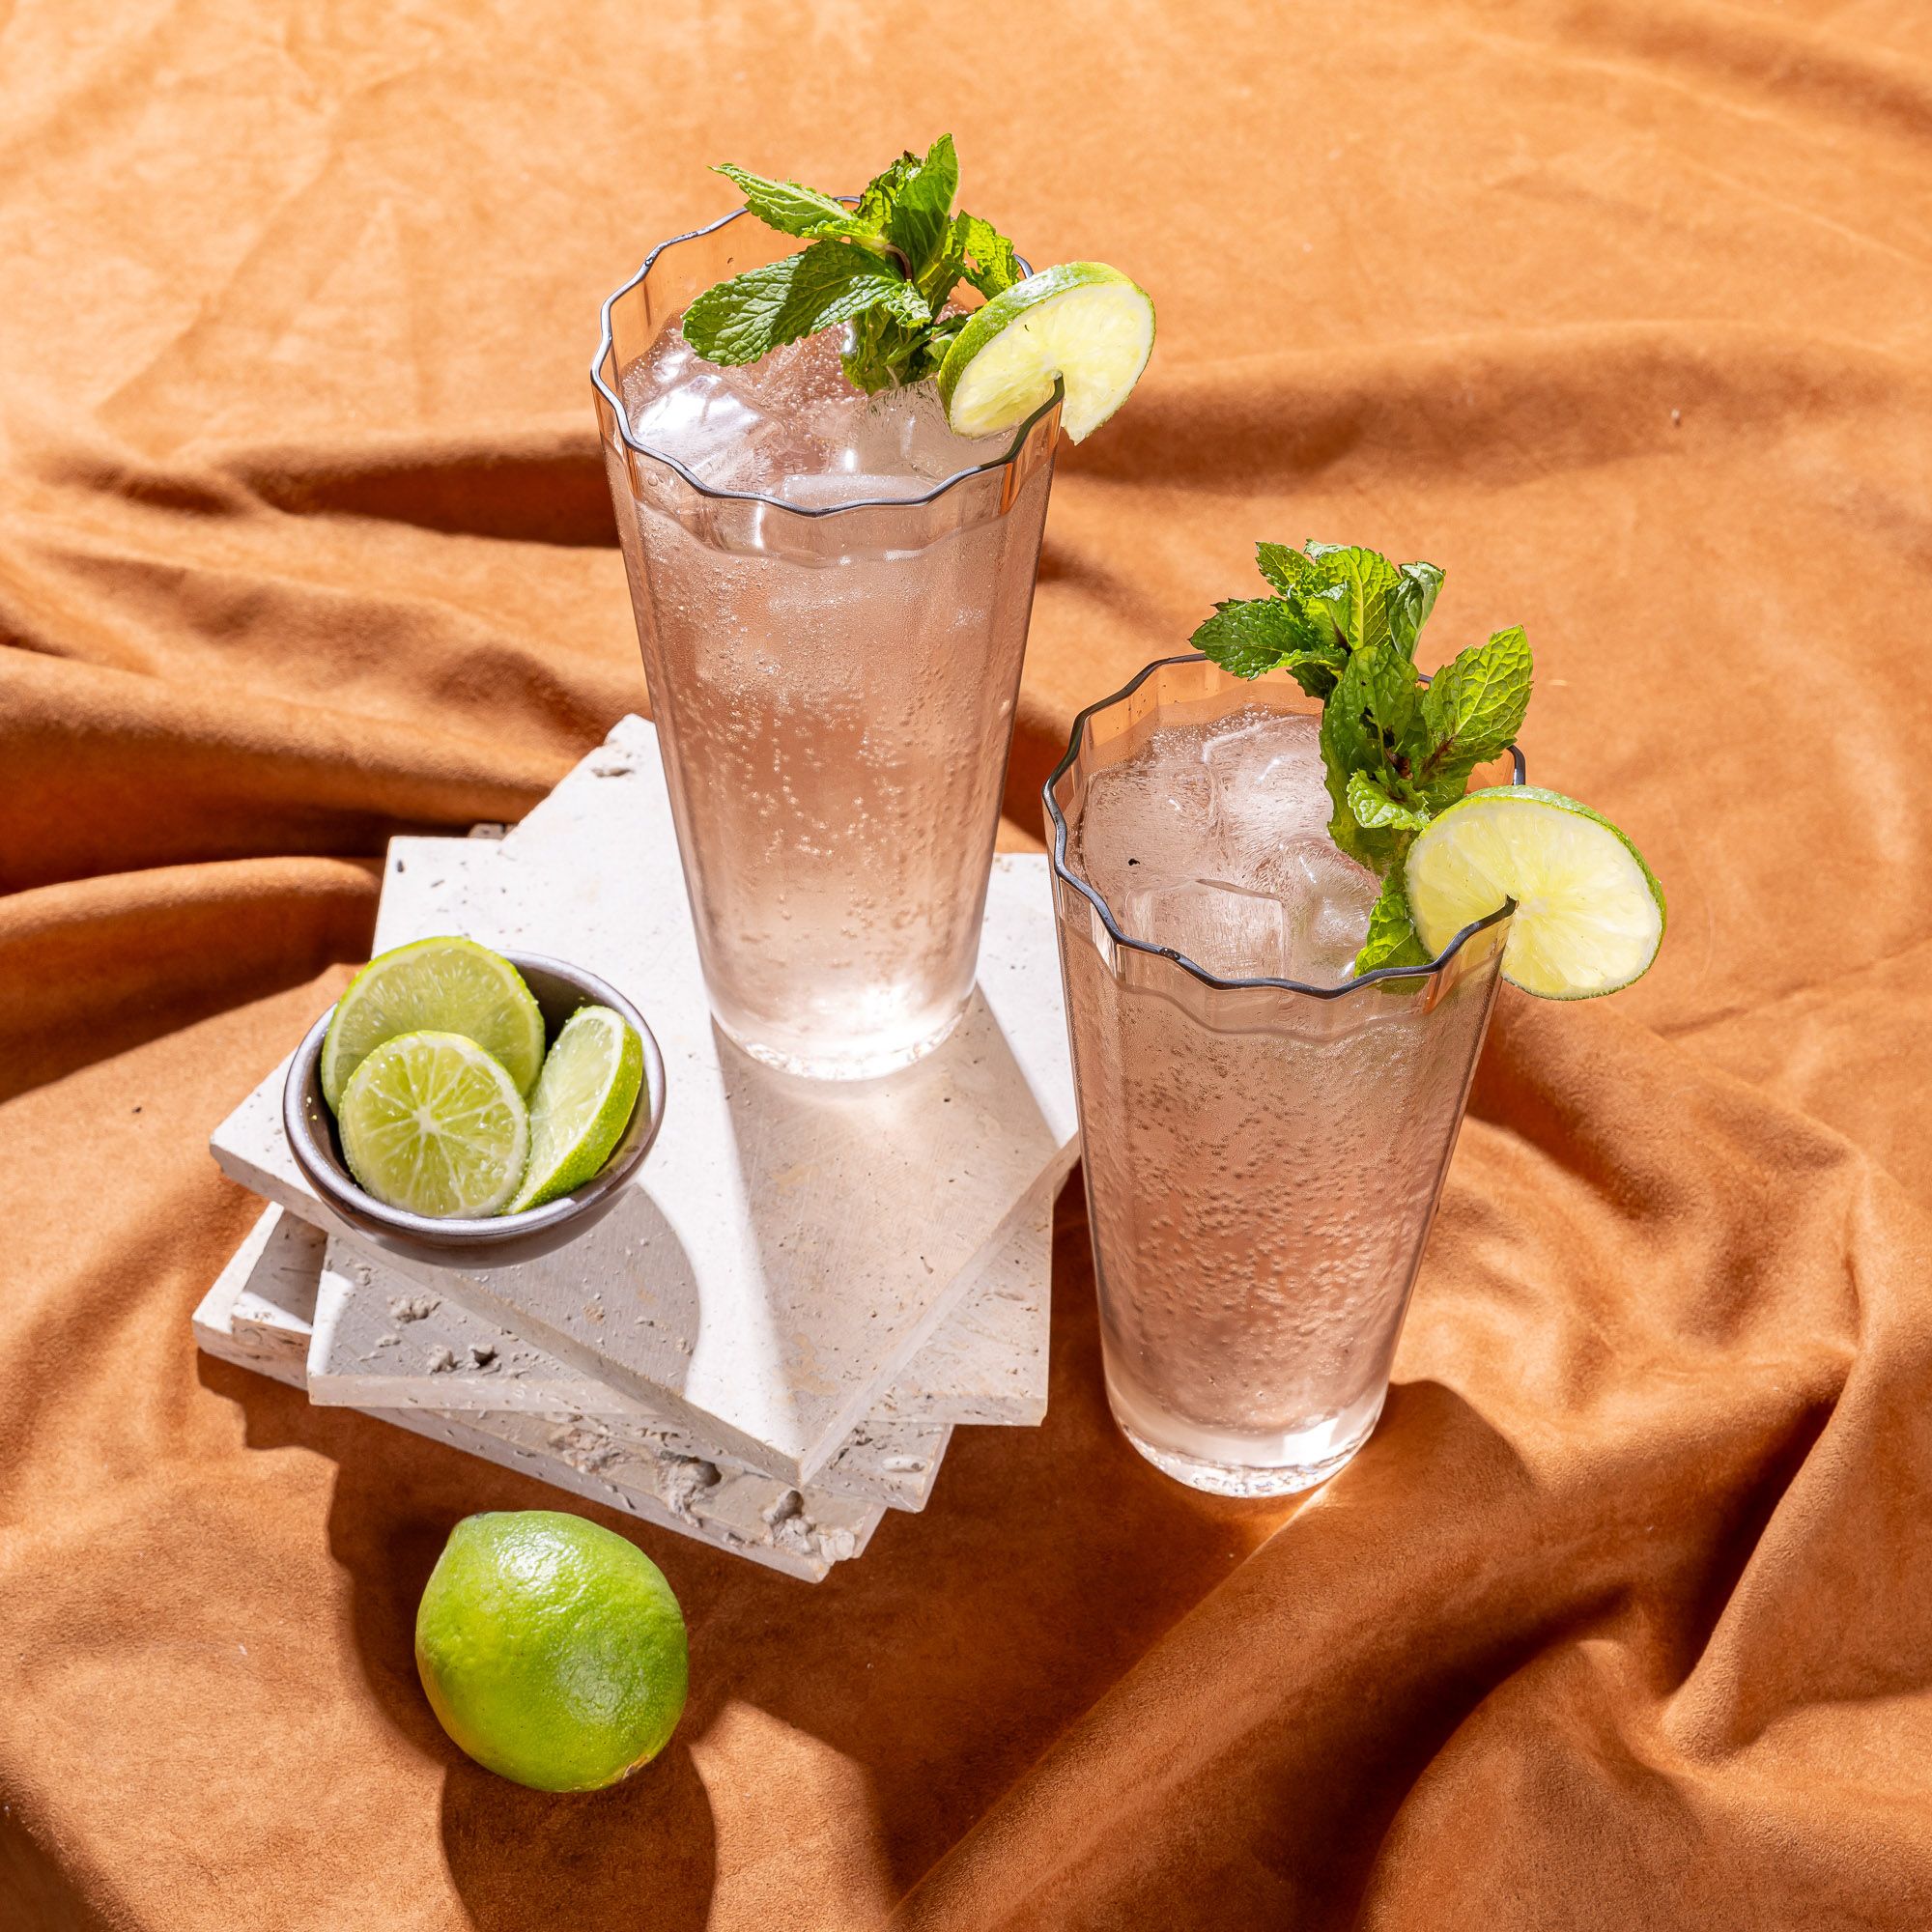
(1314, 670)
(888, 347)
(739, 321)
(792, 209)
(733, 322)
(875, 205)
(1391, 940)
(902, 301)
(1375, 811)
(939, 278)
(1373, 723)
(1249, 636)
(1411, 600)
(1474, 708)
(933, 343)
(892, 267)
(1378, 711)
(873, 353)
(992, 264)
(921, 212)
(1286, 568)
(1357, 582)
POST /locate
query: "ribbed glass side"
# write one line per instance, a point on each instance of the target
(834, 690)
(1263, 1160)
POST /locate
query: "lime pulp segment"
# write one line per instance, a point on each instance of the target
(1589, 913)
(1082, 322)
(441, 985)
(583, 1101)
(432, 1124)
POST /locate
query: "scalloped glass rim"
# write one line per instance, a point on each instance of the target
(621, 415)
(1379, 975)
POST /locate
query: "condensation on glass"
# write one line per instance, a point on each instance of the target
(1262, 1158)
(834, 687)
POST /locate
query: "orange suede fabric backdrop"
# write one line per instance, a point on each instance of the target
(1621, 312)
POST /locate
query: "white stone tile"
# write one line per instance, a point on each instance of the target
(801, 1533)
(262, 1315)
(281, 1355)
(788, 1246)
(987, 1363)
(382, 1342)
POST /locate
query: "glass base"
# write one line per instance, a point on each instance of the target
(1296, 1461)
(1233, 1479)
(867, 1063)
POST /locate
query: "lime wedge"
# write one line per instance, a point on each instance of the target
(432, 1123)
(1083, 322)
(443, 985)
(1589, 913)
(583, 1101)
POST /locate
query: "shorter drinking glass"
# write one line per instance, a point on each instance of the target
(1263, 1137)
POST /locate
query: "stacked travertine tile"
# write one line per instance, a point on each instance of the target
(770, 1340)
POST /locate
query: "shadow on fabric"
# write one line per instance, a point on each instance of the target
(850, 1663)
(641, 1852)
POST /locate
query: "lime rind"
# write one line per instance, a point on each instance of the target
(432, 1124)
(582, 1103)
(1590, 913)
(553, 1650)
(1083, 323)
(445, 985)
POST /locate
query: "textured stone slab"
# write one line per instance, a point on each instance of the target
(277, 1269)
(801, 1533)
(404, 1345)
(282, 1354)
(788, 1247)
(986, 1363)
(384, 1343)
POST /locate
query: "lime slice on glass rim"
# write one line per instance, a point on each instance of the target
(1083, 322)
(583, 1101)
(431, 1123)
(1589, 913)
(442, 986)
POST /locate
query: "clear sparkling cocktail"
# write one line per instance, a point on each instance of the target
(1262, 1159)
(833, 583)
(834, 692)
(1282, 925)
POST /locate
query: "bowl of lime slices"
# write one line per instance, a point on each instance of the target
(462, 1104)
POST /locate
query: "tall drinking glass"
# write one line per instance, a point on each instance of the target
(1263, 1154)
(831, 596)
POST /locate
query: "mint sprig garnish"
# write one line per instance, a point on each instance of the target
(888, 266)
(1473, 707)
(1344, 621)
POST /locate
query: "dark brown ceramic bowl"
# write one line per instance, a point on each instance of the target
(499, 1239)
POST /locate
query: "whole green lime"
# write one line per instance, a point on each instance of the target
(551, 1651)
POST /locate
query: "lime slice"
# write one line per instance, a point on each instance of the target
(1083, 322)
(444, 985)
(432, 1123)
(583, 1101)
(1589, 915)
